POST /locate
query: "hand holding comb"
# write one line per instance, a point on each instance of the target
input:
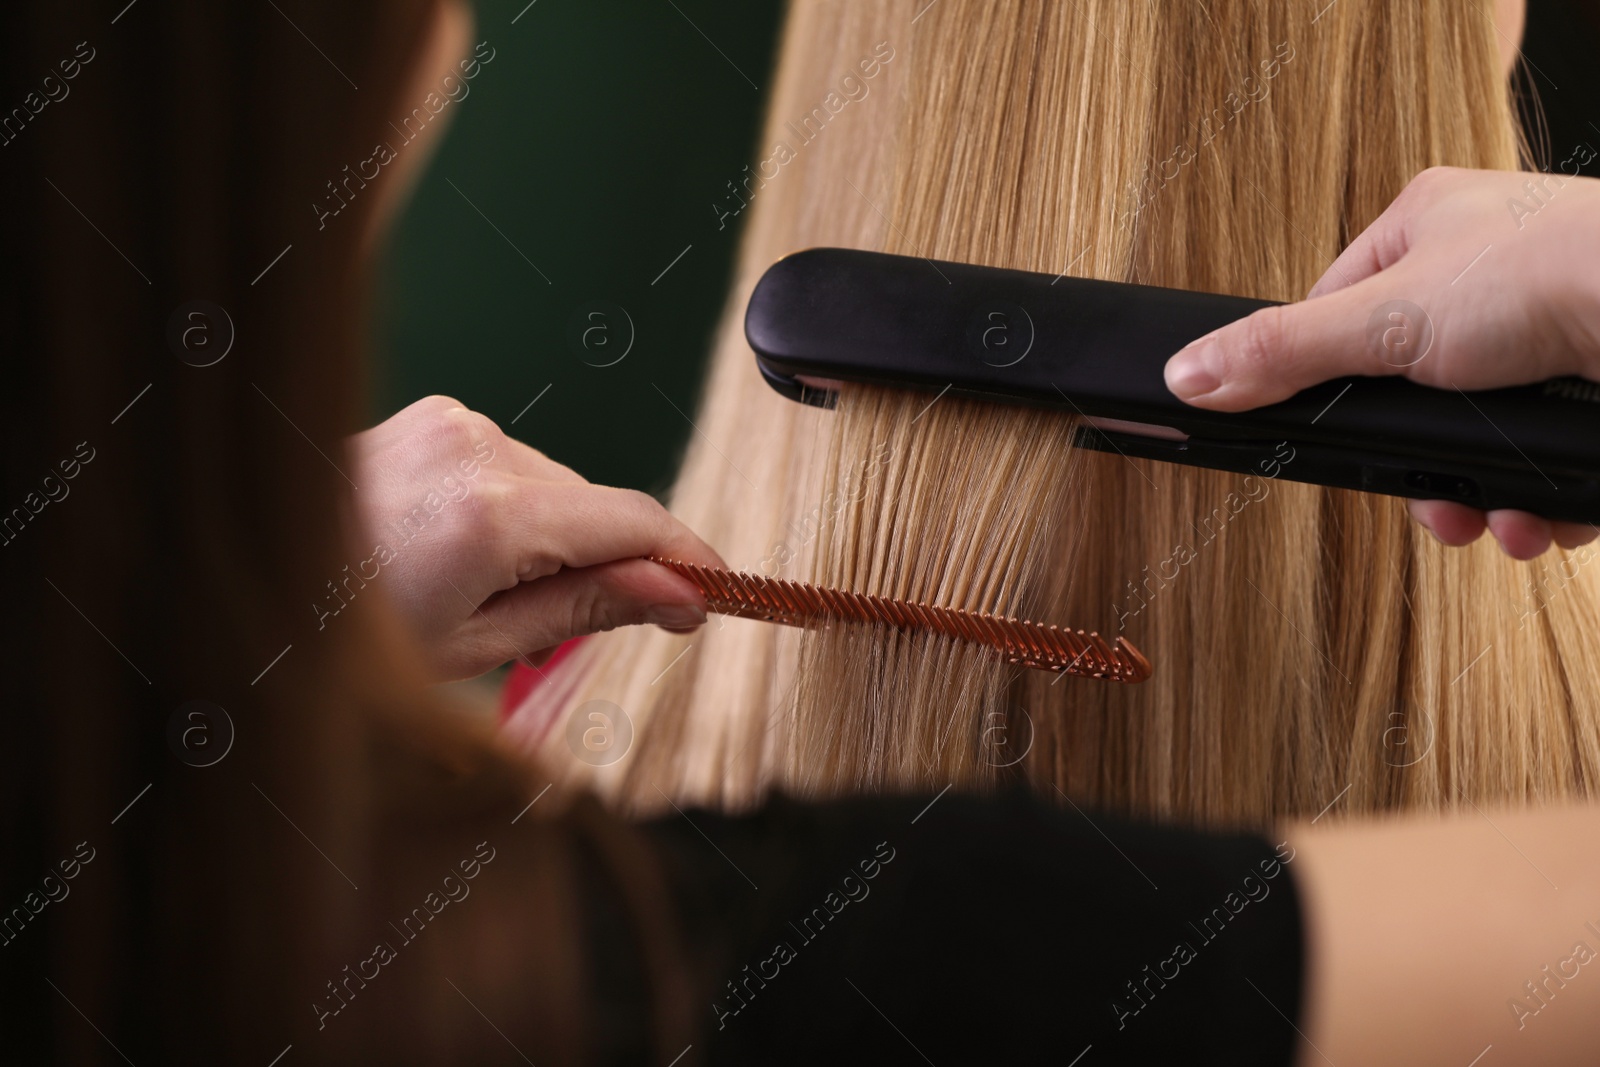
(1028, 644)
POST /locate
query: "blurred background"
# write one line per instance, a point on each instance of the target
(578, 180)
(578, 176)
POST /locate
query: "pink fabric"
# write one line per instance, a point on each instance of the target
(532, 700)
(522, 679)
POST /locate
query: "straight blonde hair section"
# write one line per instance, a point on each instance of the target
(1313, 649)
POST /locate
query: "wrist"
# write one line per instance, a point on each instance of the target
(1581, 294)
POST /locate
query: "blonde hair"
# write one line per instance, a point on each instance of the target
(1313, 649)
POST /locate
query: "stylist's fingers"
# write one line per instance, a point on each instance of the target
(1525, 536)
(1453, 524)
(1382, 244)
(529, 620)
(1413, 278)
(1522, 535)
(1278, 351)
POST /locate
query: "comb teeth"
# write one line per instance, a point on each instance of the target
(1018, 641)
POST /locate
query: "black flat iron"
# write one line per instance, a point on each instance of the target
(1098, 348)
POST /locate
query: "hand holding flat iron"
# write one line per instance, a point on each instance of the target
(1496, 278)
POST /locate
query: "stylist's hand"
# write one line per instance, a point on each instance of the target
(496, 552)
(1512, 292)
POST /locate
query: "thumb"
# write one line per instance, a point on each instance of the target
(537, 615)
(1278, 351)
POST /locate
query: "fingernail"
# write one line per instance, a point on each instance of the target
(675, 616)
(1188, 374)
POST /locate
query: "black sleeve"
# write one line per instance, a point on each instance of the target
(950, 929)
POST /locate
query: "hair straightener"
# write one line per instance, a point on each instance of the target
(1098, 348)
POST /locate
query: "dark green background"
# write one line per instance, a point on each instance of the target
(596, 141)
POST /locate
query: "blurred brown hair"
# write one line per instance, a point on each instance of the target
(221, 903)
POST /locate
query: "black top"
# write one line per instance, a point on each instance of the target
(953, 930)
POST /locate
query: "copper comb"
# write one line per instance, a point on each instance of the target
(1018, 641)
